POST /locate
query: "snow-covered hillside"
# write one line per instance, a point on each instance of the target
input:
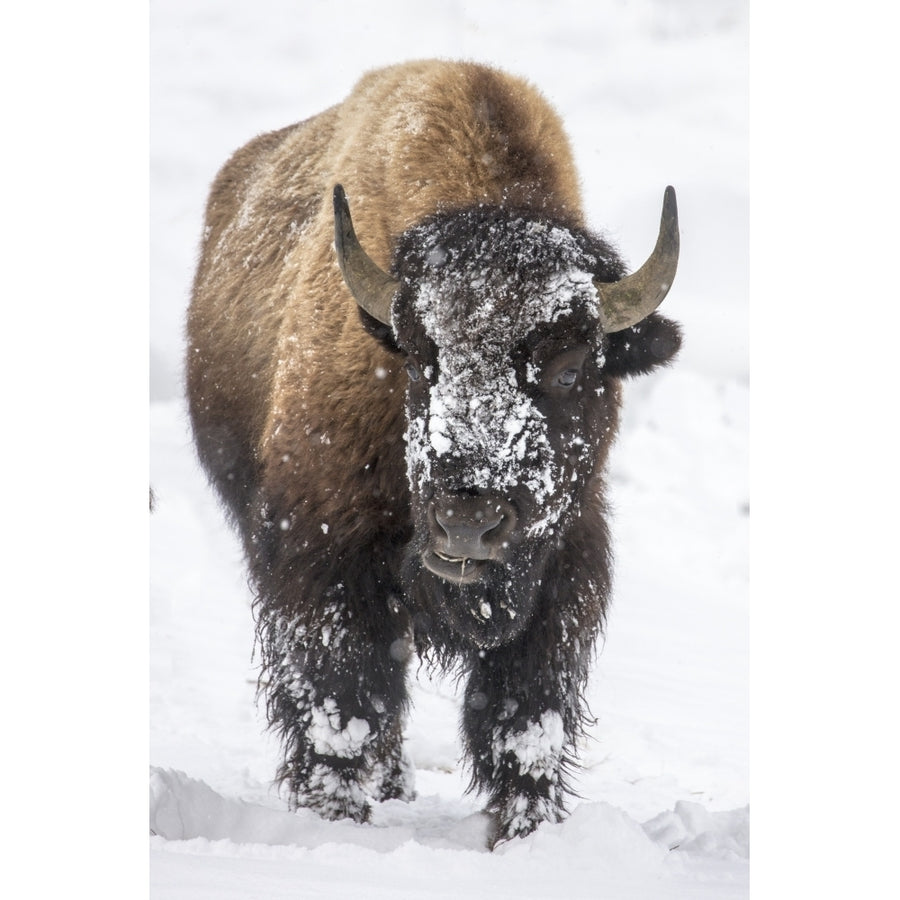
(652, 93)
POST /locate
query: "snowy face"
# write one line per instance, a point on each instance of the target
(500, 325)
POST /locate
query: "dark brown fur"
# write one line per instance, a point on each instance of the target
(299, 419)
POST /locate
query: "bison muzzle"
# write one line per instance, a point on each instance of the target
(410, 428)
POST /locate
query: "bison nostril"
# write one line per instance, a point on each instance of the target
(475, 523)
(467, 528)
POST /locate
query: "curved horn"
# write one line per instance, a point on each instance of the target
(633, 298)
(372, 288)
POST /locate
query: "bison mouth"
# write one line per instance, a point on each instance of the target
(458, 569)
(466, 532)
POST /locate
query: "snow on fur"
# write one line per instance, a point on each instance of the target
(477, 411)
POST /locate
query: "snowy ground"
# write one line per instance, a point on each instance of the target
(652, 93)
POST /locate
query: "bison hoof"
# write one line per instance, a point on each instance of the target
(334, 795)
(391, 790)
(394, 780)
(520, 816)
(336, 809)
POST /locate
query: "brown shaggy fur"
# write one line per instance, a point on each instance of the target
(267, 285)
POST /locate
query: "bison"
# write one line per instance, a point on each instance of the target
(409, 430)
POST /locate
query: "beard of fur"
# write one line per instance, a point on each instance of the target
(487, 613)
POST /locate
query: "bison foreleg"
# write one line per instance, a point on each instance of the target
(392, 774)
(336, 693)
(520, 723)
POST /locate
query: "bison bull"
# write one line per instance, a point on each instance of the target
(410, 430)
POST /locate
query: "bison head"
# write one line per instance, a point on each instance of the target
(514, 329)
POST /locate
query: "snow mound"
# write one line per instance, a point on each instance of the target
(184, 809)
(691, 828)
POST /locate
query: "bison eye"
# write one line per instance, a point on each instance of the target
(412, 370)
(564, 371)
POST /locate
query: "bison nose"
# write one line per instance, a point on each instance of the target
(472, 527)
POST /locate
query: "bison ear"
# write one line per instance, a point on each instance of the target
(382, 333)
(637, 350)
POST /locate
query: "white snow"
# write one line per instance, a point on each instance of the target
(537, 748)
(329, 738)
(650, 96)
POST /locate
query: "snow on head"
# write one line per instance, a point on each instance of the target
(477, 304)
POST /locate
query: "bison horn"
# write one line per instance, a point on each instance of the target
(633, 298)
(372, 288)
